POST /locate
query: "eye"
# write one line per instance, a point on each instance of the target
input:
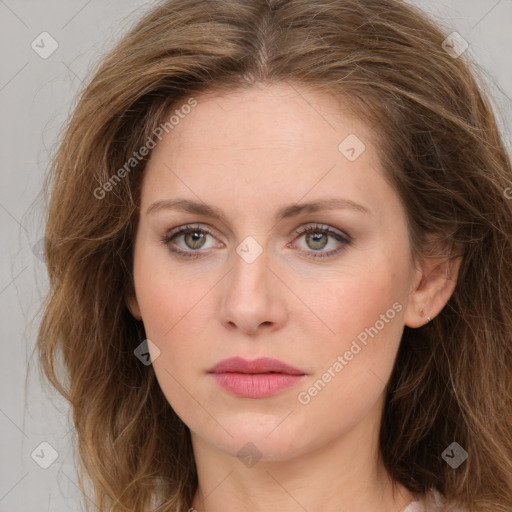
(194, 238)
(318, 237)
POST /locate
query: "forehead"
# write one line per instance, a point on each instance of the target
(268, 142)
(276, 116)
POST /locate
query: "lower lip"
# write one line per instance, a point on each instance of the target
(255, 385)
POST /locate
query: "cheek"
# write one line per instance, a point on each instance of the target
(358, 303)
(168, 299)
(170, 311)
(172, 307)
(354, 362)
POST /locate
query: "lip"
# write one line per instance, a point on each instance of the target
(259, 365)
(259, 378)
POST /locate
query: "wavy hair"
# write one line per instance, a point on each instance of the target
(440, 146)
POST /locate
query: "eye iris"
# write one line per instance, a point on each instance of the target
(315, 238)
(197, 238)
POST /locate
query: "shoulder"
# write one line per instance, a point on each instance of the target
(433, 501)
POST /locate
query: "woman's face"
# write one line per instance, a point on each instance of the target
(247, 172)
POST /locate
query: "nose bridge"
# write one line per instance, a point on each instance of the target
(249, 298)
(249, 267)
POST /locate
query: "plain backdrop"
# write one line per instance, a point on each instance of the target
(36, 97)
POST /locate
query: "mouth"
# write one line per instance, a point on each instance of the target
(259, 378)
(261, 365)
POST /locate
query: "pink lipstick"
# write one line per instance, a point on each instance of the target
(258, 378)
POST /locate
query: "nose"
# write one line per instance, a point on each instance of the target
(253, 298)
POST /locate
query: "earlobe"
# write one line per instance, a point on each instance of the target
(435, 286)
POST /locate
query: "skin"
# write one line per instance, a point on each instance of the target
(249, 153)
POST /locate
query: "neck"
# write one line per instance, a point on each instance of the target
(346, 474)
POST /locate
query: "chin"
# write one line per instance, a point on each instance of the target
(255, 440)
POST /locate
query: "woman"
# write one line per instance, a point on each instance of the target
(279, 243)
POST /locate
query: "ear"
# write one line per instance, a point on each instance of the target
(433, 286)
(133, 305)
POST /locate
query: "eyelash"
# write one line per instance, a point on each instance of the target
(317, 228)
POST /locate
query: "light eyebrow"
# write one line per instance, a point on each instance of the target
(199, 208)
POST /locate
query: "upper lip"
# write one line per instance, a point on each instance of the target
(259, 365)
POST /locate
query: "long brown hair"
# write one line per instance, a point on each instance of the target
(442, 151)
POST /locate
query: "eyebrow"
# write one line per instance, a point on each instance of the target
(199, 208)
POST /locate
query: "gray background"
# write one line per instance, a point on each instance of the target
(36, 96)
